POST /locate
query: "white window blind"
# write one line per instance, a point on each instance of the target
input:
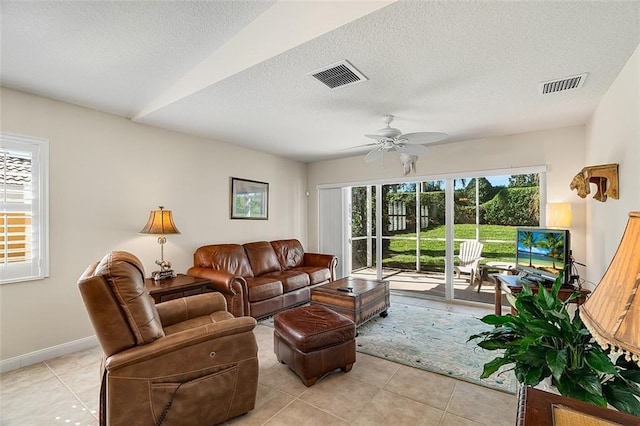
(23, 208)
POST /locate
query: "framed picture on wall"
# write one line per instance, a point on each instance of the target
(249, 199)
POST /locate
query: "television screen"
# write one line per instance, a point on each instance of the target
(543, 252)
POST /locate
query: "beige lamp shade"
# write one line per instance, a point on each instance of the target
(612, 312)
(160, 223)
(559, 215)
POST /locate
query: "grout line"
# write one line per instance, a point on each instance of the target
(95, 416)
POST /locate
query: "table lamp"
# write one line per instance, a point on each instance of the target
(559, 215)
(161, 223)
(612, 313)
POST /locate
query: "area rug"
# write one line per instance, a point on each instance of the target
(430, 339)
(433, 340)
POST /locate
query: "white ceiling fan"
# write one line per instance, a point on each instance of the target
(389, 138)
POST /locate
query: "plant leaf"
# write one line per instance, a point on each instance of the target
(618, 395)
(533, 376)
(631, 375)
(543, 328)
(547, 300)
(587, 380)
(600, 362)
(493, 366)
(557, 361)
(492, 344)
(497, 319)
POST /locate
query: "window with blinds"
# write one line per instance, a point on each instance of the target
(23, 208)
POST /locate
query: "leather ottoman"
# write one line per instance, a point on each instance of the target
(314, 340)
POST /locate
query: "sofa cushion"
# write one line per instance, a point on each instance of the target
(124, 273)
(262, 258)
(261, 288)
(291, 280)
(230, 258)
(290, 253)
(317, 274)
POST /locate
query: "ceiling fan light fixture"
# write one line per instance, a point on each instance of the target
(408, 145)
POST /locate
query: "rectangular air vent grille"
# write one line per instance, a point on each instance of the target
(567, 83)
(338, 75)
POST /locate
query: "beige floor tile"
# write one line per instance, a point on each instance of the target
(373, 370)
(22, 379)
(453, 420)
(264, 337)
(84, 378)
(41, 404)
(423, 386)
(266, 356)
(388, 409)
(65, 412)
(340, 395)
(280, 377)
(269, 402)
(69, 363)
(483, 405)
(299, 413)
(90, 398)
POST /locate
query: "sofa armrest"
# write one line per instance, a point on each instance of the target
(179, 341)
(324, 260)
(233, 288)
(184, 308)
(220, 280)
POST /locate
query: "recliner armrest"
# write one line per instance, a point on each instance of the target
(178, 310)
(179, 341)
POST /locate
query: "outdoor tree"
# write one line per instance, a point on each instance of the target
(524, 180)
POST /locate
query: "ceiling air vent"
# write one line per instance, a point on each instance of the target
(338, 75)
(553, 86)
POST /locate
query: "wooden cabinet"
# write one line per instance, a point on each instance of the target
(540, 408)
(175, 288)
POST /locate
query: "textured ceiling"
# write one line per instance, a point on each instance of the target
(470, 69)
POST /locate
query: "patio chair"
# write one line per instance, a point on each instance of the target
(469, 258)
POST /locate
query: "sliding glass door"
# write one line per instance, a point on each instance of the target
(411, 232)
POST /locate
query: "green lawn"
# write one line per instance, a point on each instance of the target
(402, 253)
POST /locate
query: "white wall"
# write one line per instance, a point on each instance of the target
(106, 174)
(561, 150)
(613, 136)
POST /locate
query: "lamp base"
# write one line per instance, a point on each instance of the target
(161, 275)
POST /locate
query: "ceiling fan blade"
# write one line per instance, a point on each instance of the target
(424, 137)
(362, 146)
(379, 138)
(374, 155)
(412, 149)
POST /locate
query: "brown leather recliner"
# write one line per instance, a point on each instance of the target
(183, 362)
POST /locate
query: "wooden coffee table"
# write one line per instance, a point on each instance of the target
(366, 299)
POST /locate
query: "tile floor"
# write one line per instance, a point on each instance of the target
(64, 390)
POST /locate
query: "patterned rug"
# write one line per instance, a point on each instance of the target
(432, 340)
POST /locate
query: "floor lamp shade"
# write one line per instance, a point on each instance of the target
(612, 312)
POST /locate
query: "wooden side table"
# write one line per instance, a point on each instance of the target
(174, 288)
(513, 284)
(540, 408)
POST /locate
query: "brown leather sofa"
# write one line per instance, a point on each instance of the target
(261, 278)
(183, 362)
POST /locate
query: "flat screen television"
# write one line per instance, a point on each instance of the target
(543, 253)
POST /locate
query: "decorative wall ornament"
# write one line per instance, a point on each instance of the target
(408, 163)
(604, 176)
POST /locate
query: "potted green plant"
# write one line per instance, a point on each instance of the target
(544, 340)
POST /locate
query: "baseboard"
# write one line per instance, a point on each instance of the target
(47, 353)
